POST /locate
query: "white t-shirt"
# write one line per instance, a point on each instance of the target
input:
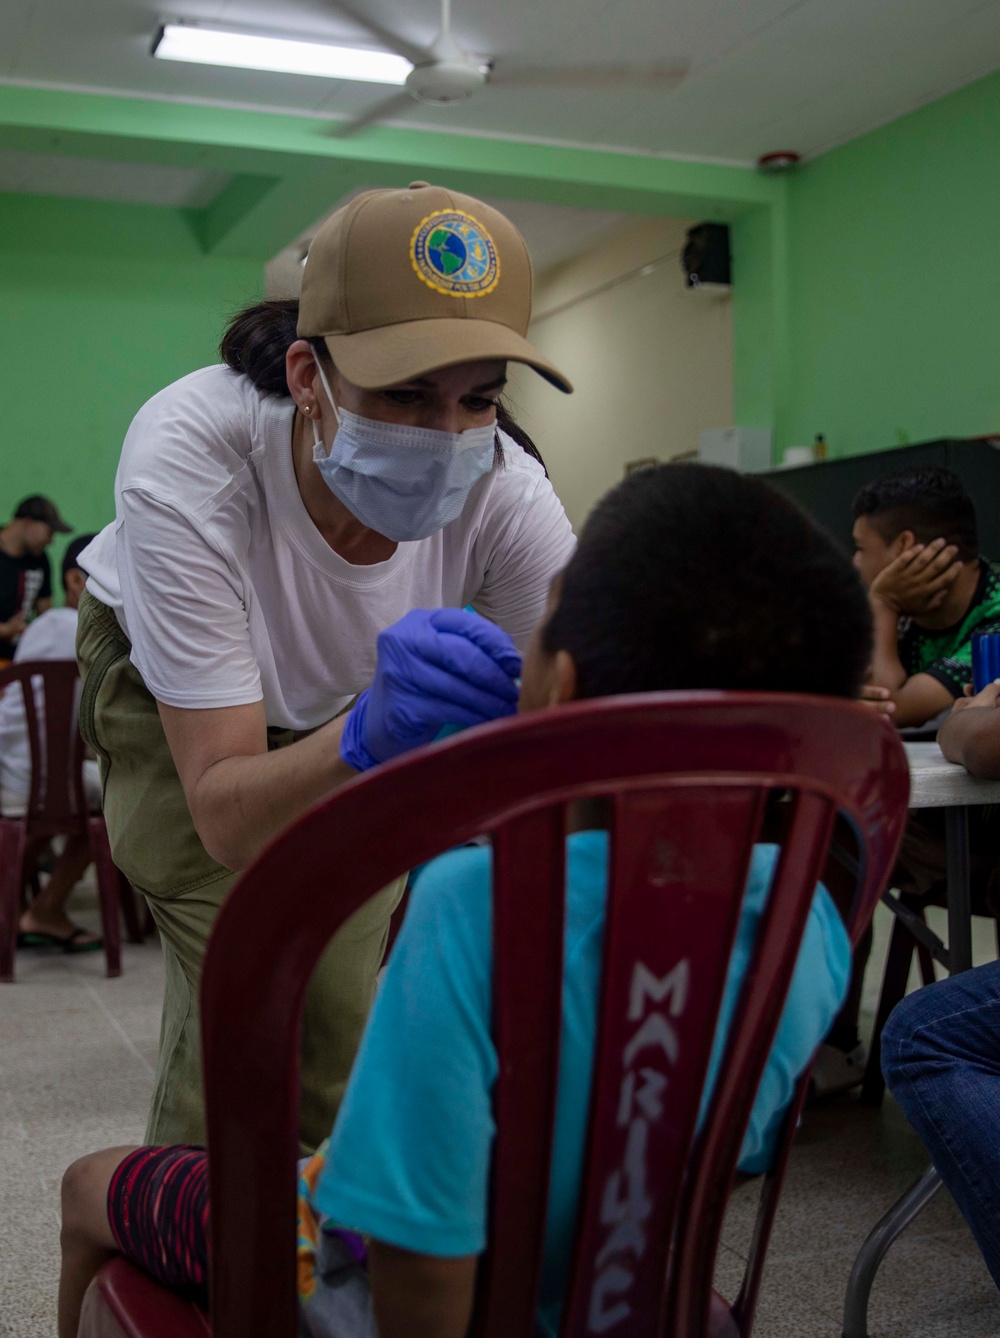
(228, 592)
(51, 636)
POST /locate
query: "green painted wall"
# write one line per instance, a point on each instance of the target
(894, 282)
(100, 306)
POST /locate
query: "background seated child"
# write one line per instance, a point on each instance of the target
(680, 580)
(917, 543)
(917, 540)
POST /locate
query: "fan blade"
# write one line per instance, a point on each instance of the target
(591, 76)
(378, 111)
(416, 55)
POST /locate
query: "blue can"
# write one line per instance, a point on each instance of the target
(985, 659)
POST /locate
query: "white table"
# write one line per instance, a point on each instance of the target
(937, 783)
(934, 783)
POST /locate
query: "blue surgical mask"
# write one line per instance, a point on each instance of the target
(404, 482)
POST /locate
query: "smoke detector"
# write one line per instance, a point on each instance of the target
(785, 160)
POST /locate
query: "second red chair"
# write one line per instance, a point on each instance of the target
(57, 806)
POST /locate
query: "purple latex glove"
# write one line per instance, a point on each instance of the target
(435, 668)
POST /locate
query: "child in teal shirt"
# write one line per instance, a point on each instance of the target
(681, 580)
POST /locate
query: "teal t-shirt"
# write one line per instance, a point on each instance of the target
(409, 1156)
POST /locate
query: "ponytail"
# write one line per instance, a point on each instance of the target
(258, 337)
(507, 424)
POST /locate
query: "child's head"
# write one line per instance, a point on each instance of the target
(693, 577)
(911, 506)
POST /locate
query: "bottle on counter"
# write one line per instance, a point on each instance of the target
(819, 448)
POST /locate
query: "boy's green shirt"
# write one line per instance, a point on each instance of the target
(946, 653)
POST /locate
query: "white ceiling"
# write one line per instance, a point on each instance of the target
(765, 74)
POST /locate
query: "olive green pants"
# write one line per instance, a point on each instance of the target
(155, 844)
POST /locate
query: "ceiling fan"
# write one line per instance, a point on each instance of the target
(443, 73)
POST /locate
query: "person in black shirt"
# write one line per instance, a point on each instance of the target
(25, 574)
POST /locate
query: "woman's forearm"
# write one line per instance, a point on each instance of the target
(239, 794)
(241, 803)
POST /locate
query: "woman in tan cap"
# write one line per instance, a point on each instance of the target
(347, 471)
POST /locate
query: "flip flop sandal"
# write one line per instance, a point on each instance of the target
(67, 942)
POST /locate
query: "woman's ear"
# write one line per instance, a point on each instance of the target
(302, 377)
(562, 687)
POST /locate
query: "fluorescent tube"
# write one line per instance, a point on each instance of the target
(247, 51)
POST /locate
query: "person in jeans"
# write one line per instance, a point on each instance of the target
(672, 587)
(941, 1045)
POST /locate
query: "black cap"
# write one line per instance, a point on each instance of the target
(40, 508)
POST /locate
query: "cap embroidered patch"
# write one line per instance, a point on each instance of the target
(455, 255)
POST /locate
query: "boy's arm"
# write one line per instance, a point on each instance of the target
(420, 1296)
(917, 698)
(916, 581)
(971, 734)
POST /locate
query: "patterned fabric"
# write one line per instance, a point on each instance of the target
(159, 1216)
(946, 653)
(307, 1242)
(158, 1211)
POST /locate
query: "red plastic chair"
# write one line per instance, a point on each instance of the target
(57, 807)
(690, 777)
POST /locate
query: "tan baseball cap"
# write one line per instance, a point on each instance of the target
(402, 282)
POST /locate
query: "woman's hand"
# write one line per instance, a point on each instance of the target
(435, 668)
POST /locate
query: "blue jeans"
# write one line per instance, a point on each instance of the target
(941, 1060)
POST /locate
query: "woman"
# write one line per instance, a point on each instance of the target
(273, 517)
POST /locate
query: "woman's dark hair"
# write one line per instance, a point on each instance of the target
(929, 500)
(688, 576)
(258, 337)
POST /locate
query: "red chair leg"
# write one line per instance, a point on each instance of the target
(107, 891)
(12, 843)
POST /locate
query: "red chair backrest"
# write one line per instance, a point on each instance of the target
(56, 804)
(688, 775)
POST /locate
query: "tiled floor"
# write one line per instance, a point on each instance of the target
(76, 1056)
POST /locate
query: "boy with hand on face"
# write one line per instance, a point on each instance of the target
(916, 543)
(917, 552)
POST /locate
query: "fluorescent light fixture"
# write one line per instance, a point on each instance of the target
(247, 51)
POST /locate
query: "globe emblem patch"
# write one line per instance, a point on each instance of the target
(455, 255)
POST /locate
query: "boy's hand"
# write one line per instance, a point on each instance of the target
(878, 700)
(919, 579)
(990, 696)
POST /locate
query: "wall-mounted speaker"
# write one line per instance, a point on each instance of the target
(705, 258)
